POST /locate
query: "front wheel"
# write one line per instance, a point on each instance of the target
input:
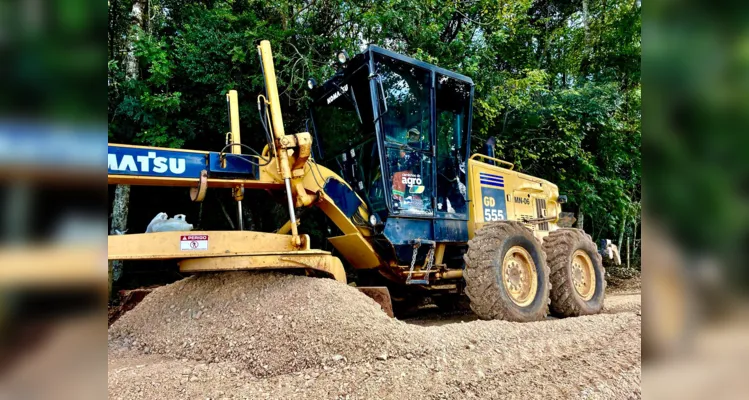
(577, 276)
(506, 274)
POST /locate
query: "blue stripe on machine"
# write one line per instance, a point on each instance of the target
(500, 180)
(491, 180)
(490, 176)
(490, 183)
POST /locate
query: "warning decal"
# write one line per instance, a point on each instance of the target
(193, 242)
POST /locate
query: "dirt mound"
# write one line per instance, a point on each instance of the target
(264, 335)
(587, 357)
(127, 300)
(627, 281)
(270, 323)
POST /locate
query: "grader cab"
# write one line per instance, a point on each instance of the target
(397, 131)
(388, 159)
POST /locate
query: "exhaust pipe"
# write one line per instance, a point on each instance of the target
(489, 149)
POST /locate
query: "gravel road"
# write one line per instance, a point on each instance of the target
(265, 335)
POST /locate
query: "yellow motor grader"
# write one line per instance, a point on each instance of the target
(387, 159)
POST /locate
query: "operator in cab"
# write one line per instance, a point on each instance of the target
(408, 186)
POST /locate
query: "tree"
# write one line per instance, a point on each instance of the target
(557, 82)
(120, 204)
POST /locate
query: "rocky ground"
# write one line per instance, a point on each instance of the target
(251, 335)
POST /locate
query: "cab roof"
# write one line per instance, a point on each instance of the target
(422, 64)
(361, 60)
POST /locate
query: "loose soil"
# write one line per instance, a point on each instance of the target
(618, 285)
(126, 301)
(267, 335)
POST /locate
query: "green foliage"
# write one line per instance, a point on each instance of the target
(559, 90)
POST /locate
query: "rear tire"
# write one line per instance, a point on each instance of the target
(577, 275)
(506, 273)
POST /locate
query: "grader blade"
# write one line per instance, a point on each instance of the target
(381, 295)
(214, 251)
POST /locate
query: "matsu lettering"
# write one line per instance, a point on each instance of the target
(147, 163)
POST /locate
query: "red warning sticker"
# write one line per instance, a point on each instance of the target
(193, 242)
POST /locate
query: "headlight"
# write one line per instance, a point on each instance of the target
(373, 220)
(311, 83)
(342, 57)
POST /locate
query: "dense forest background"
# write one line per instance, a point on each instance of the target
(557, 83)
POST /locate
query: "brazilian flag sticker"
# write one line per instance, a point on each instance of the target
(416, 189)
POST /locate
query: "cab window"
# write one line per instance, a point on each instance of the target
(411, 192)
(337, 120)
(453, 100)
(406, 124)
(406, 93)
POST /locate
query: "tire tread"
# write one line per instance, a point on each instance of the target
(559, 246)
(481, 283)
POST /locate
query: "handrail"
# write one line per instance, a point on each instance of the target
(528, 188)
(479, 155)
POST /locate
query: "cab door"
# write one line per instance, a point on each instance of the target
(406, 133)
(452, 98)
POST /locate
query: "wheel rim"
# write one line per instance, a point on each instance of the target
(583, 275)
(519, 276)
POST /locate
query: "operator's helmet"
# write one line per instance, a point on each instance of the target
(414, 136)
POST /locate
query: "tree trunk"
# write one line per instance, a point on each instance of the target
(588, 50)
(131, 62)
(621, 232)
(121, 202)
(628, 240)
(120, 208)
(586, 24)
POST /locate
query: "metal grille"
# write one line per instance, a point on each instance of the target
(541, 211)
(524, 218)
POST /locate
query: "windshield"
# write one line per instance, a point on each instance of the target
(406, 123)
(406, 90)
